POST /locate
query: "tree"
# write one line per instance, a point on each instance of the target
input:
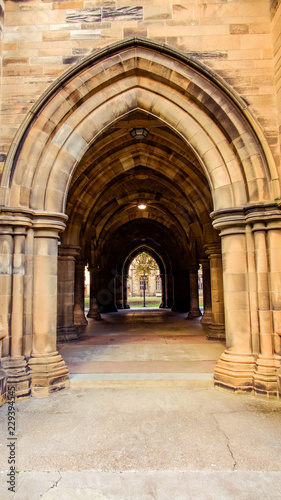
(143, 263)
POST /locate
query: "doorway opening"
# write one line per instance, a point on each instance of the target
(144, 282)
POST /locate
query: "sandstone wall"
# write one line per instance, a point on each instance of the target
(42, 39)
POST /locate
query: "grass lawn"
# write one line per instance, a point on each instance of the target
(149, 301)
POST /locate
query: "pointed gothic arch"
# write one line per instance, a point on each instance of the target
(234, 177)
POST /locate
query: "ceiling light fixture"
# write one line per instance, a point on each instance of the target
(142, 206)
(139, 133)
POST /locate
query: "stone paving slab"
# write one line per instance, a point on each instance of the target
(166, 444)
(152, 485)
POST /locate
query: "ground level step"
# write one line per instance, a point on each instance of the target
(125, 380)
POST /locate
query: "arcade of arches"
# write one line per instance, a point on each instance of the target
(70, 191)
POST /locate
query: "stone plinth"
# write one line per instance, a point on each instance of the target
(17, 375)
(49, 374)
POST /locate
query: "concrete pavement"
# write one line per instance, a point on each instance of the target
(141, 443)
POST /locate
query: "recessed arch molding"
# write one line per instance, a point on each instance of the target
(207, 175)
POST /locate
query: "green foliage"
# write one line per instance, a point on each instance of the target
(144, 264)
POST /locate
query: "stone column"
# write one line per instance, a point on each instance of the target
(6, 269)
(207, 317)
(125, 292)
(216, 330)
(66, 330)
(194, 311)
(79, 314)
(163, 278)
(93, 311)
(118, 291)
(181, 292)
(274, 246)
(235, 367)
(169, 290)
(14, 363)
(265, 380)
(252, 286)
(3, 375)
(47, 368)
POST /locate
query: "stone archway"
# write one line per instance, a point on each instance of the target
(163, 267)
(208, 155)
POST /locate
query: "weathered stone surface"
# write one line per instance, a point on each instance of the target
(96, 15)
(210, 103)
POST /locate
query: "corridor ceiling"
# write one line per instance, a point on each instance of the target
(118, 171)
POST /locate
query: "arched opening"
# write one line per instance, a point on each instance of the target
(144, 285)
(78, 170)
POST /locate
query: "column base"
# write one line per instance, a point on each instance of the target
(216, 332)
(234, 372)
(94, 314)
(3, 387)
(17, 376)
(194, 313)
(207, 318)
(107, 309)
(265, 376)
(67, 334)
(49, 374)
(79, 318)
(179, 307)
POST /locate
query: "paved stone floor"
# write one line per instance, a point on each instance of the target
(167, 439)
(142, 347)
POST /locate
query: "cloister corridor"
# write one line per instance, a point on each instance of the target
(142, 348)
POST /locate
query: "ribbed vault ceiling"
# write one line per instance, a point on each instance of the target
(118, 171)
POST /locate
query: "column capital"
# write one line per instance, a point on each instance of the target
(32, 218)
(68, 250)
(213, 249)
(234, 219)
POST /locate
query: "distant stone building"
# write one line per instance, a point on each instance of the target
(137, 280)
(104, 105)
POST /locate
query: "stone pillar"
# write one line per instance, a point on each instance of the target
(194, 311)
(265, 380)
(274, 245)
(118, 291)
(235, 367)
(125, 292)
(79, 314)
(216, 330)
(6, 269)
(3, 375)
(181, 292)
(169, 290)
(93, 311)
(47, 368)
(163, 278)
(252, 286)
(14, 363)
(207, 317)
(66, 330)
